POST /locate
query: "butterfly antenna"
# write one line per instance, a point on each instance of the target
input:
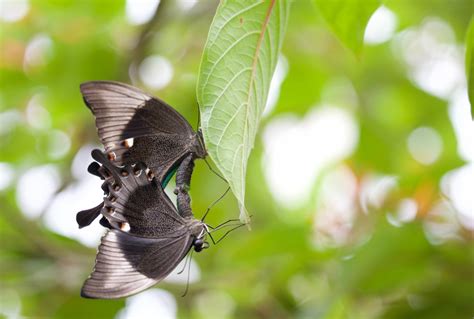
(228, 232)
(189, 273)
(215, 202)
(224, 224)
(212, 170)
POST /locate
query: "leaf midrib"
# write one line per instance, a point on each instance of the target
(252, 78)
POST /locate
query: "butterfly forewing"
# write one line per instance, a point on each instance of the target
(127, 264)
(162, 138)
(161, 135)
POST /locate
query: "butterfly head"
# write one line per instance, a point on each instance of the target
(199, 242)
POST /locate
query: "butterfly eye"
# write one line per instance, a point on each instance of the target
(199, 245)
(124, 173)
(137, 172)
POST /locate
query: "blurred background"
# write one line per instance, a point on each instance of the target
(360, 184)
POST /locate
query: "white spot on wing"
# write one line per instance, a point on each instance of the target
(129, 142)
(125, 227)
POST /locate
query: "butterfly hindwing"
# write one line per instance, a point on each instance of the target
(85, 217)
(135, 198)
(156, 239)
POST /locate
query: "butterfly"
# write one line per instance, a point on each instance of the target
(147, 236)
(136, 127)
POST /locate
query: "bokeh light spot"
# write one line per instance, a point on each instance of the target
(435, 61)
(463, 125)
(215, 304)
(182, 278)
(6, 175)
(458, 186)
(35, 189)
(336, 208)
(38, 51)
(297, 150)
(59, 144)
(155, 72)
(140, 11)
(61, 214)
(186, 5)
(36, 114)
(375, 189)
(149, 304)
(9, 120)
(406, 212)
(441, 224)
(13, 10)
(425, 145)
(381, 26)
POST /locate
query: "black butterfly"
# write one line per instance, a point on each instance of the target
(162, 138)
(147, 238)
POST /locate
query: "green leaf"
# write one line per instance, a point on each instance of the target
(348, 19)
(236, 70)
(470, 64)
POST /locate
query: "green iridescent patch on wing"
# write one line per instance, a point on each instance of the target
(168, 176)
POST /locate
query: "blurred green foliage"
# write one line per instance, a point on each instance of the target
(470, 63)
(348, 19)
(279, 269)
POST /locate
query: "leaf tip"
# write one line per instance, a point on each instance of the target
(244, 216)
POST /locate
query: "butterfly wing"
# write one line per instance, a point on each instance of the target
(135, 202)
(133, 258)
(133, 196)
(161, 135)
(86, 217)
(128, 264)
